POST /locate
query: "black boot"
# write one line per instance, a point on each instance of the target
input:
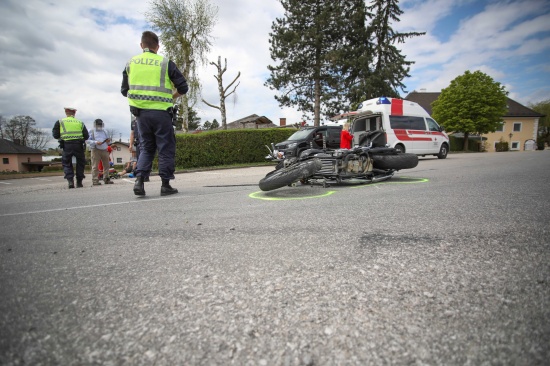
(139, 189)
(79, 183)
(71, 183)
(166, 189)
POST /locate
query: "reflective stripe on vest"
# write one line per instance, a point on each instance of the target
(71, 129)
(150, 85)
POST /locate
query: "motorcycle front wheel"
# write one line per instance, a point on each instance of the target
(285, 176)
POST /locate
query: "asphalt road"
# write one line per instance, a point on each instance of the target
(445, 264)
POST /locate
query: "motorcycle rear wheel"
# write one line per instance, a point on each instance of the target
(285, 176)
(394, 161)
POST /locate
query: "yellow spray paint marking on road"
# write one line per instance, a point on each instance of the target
(283, 195)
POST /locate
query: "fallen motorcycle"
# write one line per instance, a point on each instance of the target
(360, 164)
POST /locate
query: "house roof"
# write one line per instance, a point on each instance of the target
(120, 143)
(10, 147)
(425, 99)
(253, 118)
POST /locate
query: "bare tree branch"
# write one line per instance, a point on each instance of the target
(223, 91)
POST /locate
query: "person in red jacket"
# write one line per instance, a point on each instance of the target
(345, 137)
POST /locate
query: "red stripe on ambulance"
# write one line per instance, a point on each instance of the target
(397, 107)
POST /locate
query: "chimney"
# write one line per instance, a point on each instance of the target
(282, 121)
(17, 141)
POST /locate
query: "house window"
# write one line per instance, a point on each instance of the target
(118, 149)
(517, 126)
(119, 160)
(5, 160)
(515, 145)
(500, 127)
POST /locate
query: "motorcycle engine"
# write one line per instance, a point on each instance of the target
(361, 165)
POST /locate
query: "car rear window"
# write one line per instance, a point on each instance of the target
(301, 135)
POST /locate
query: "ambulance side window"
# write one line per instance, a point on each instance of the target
(399, 123)
(360, 125)
(432, 125)
(372, 124)
(417, 123)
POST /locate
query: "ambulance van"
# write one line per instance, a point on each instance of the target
(401, 124)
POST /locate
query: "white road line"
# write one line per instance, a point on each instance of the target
(4, 183)
(47, 180)
(139, 200)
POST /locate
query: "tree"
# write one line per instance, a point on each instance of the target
(214, 125)
(2, 123)
(222, 90)
(194, 120)
(544, 122)
(185, 27)
(472, 103)
(210, 125)
(22, 129)
(309, 44)
(379, 65)
(54, 151)
(38, 139)
(111, 132)
(335, 53)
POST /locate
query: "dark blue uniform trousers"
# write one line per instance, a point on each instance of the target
(76, 149)
(156, 133)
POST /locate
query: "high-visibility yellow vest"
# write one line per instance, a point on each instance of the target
(71, 129)
(150, 85)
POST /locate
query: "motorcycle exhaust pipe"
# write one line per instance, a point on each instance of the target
(380, 179)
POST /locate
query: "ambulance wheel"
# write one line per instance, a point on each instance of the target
(400, 148)
(443, 151)
(285, 176)
(395, 162)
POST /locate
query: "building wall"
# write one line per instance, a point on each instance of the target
(121, 153)
(516, 142)
(15, 161)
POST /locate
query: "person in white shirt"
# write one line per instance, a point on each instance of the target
(98, 143)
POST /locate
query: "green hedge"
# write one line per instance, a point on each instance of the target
(214, 148)
(501, 146)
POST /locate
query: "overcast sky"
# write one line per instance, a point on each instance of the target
(57, 53)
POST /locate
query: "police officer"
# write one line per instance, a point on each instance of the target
(71, 134)
(147, 82)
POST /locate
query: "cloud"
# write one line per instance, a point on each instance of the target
(497, 40)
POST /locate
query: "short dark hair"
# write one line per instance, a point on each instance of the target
(149, 39)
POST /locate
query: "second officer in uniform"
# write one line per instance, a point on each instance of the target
(71, 134)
